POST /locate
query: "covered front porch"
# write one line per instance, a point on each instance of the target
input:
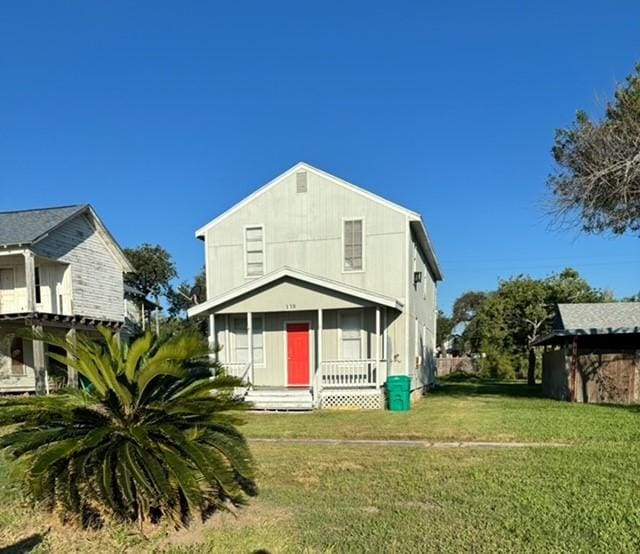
(338, 356)
(328, 347)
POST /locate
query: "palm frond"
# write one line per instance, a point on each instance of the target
(154, 432)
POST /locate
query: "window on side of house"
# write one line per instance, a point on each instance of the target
(353, 240)
(37, 285)
(241, 340)
(351, 335)
(254, 250)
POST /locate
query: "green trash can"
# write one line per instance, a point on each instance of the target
(398, 393)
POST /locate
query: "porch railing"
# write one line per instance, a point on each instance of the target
(349, 373)
(237, 369)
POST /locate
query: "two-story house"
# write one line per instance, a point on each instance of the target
(317, 290)
(61, 271)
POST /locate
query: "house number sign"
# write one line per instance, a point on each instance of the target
(290, 306)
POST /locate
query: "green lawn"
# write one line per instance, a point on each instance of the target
(318, 498)
(507, 411)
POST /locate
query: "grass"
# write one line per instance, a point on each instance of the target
(475, 410)
(583, 498)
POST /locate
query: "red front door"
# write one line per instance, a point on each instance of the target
(297, 354)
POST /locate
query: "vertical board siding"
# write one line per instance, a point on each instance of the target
(304, 231)
(96, 276)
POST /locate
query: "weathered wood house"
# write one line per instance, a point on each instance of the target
(61, 271)
(593, 353)
(317, 290)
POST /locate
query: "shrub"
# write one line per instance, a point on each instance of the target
(497, 365)
(151, 436)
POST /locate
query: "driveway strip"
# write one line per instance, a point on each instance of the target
(408, 443)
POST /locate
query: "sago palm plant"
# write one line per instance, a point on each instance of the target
(151, 435)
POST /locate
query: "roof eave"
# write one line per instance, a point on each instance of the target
(268, 279)
(427, 247)
(307, 167)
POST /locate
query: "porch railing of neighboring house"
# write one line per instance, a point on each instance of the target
(350, 373)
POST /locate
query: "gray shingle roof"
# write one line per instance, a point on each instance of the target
(24, 227)
(608, 315)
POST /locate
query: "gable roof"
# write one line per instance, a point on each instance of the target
(607, 315)
(415, 219)
(21, 228)
(285, 272)
(27, 227)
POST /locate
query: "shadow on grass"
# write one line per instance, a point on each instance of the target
(25, 545)
(470, 385)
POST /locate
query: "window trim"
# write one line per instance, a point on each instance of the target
(232, 338)
(246, 253)
(342, 250)
(363, 335)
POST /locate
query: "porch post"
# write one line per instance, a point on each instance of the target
(39, 363)
(212, 338)
(385, 340)
(30, 275)
(72, 374)
(227, 343)
(378, 347)
(318, 379)
(250, 341)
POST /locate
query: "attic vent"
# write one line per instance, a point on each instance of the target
(301, 181)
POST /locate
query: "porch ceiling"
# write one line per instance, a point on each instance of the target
(288, 289)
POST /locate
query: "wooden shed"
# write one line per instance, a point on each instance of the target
(593, 353)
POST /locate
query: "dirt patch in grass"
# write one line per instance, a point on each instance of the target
(255, 515)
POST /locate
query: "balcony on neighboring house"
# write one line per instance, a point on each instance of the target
(30, 284)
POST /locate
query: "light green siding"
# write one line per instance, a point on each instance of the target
(304, 231)
(420, 319)
(290, 296)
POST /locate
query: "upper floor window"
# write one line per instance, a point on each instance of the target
(353, 241)
(254, 250)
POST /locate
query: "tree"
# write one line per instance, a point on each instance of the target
(597, 183)
(528, 311)
(444, 326)
(151, 435)
(154, 269)
(511, 318)
(466, 306)
(185, 295)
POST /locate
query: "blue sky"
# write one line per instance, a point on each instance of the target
(162, 115)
